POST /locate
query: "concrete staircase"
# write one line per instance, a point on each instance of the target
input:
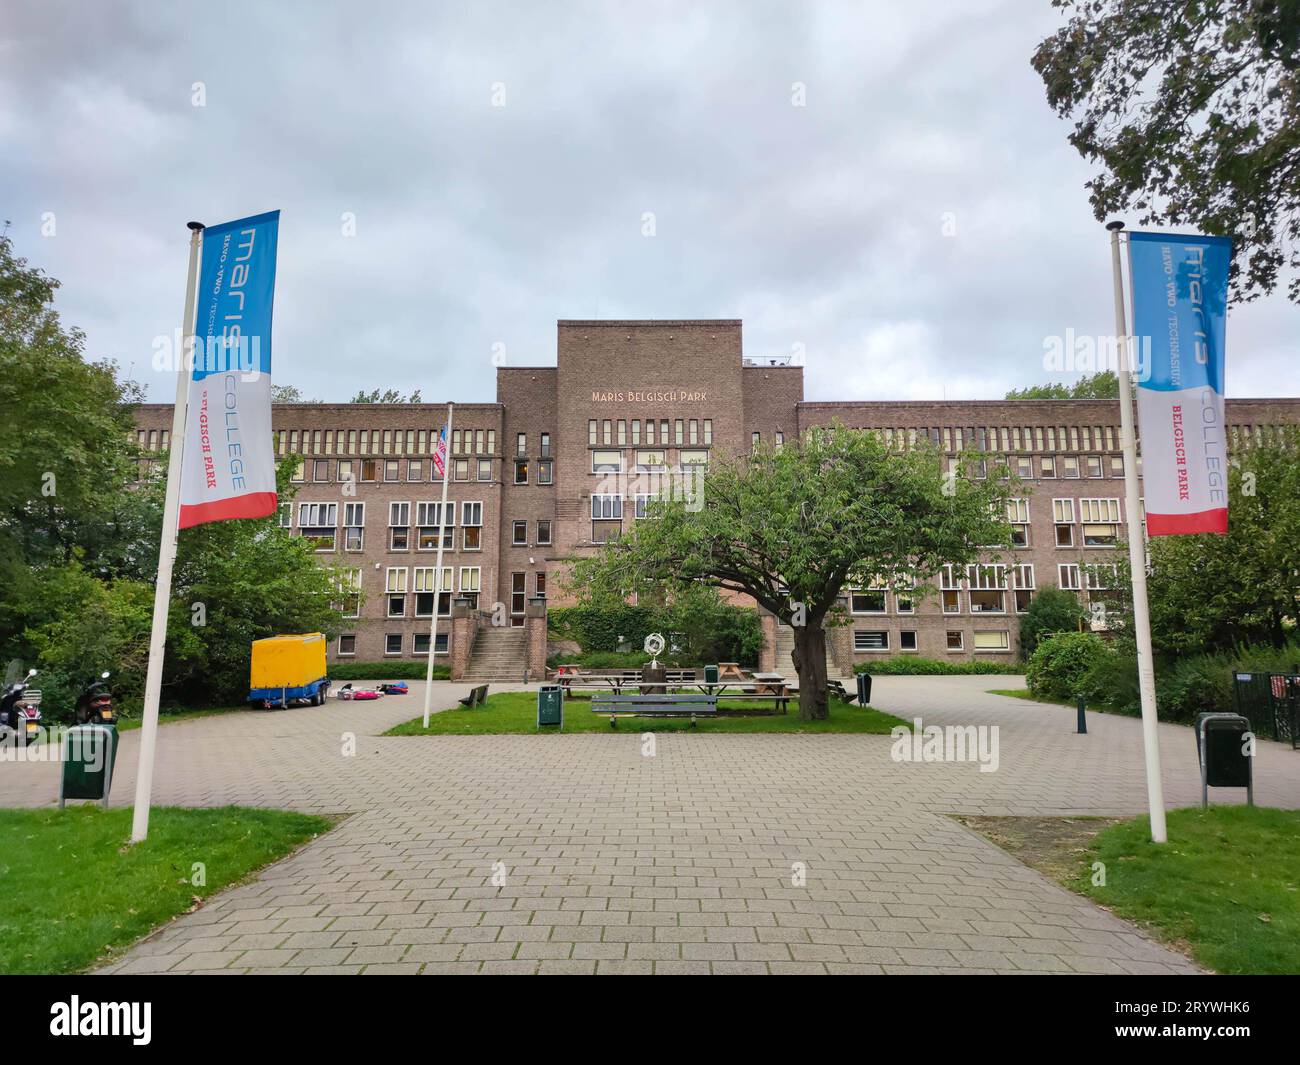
(785, 664)
(499, 654)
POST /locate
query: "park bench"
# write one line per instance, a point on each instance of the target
(477, 697)
(617, 706)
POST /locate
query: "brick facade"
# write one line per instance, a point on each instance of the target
(530, 460)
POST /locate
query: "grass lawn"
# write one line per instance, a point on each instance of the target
(1227, 884)
(517, 712)
(1225, 888)
(74, 894)
(1025, 693)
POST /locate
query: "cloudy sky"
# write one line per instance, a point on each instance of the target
(917, 228)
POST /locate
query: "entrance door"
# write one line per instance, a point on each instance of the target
(517, 596)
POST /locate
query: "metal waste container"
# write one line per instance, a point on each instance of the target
(1225, 746)
(864, 688)
(710, 674)
(550, 705)
(89, 754)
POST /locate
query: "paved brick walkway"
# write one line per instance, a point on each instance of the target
(680, 862)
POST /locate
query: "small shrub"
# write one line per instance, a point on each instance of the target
(405, 669)
(912, 666)
(1058, 668)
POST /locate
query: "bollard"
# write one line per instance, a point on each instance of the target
(1082, 727)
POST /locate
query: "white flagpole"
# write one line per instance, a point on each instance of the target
(1137, 555)
(437, 580)
(162, 590)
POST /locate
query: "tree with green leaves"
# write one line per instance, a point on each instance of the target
(1051, 610)
(793, 527)
(1101, 385)
(388, 395)
(1192, 110)
(1212, 593)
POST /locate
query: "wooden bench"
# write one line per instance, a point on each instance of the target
(477, 697)
(617, 706)
(779, 702)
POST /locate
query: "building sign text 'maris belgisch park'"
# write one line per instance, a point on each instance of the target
(649, 395)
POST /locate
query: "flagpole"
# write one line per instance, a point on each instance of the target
(1137, 555)
(162, 590)
(437, 581)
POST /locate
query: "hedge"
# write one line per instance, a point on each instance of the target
(911, 665)
(1058, 667)
(400, 669)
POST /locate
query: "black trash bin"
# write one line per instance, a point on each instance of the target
(864, 688)
(710, 674)
(1226, 760)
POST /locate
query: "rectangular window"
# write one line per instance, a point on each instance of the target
(543, 532)
(708, 430)
(1117, 465)
(871, 640)
(545, 471)
(1018, 516)
(521, 471)
(677, 432)
(354, 521)
(350, 592)
(867, 601)
(429, 589)
(1025, 468)
(347, 644)
(1067, 576)
(694, 458)
(545, 449)
(1047, 466)
(427, 521)
(393, 643)
(992, 640)
(318, 522)
(607, 461)
(591, 432)
(1101, 577)
(950, 590)
(643, 503)
(415, 470)
(987, 589)
(606, 507)
(907, 640)
(320, 470)
(622, 431)
(286, 515)
(471, 517)
(1101, 520)
(953, 640)
(520, 534)
(485, 469)
(1070, 466)
(1022, 585)
(1094, 465)
(369, 470)
(395, 590)
(521, 443)
(651, 460)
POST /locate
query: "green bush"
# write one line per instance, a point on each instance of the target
(910, 665)
(1050, 610)
(406, 669)
(1058, 668)
(1185, 686)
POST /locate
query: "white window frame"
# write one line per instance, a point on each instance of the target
(1068, 576)
(598, 505)
(858, 646)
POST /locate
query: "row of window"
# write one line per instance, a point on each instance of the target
(664, 431)
(1004, 438)
(954, 640)
(1045, 468)
(985, 588)
(416, 470)
(656, 461)
(394, 642)
(384, 441)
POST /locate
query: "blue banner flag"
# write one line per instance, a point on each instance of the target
(1180, 306)
(229, 464)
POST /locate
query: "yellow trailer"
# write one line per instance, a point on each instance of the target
(284, 668)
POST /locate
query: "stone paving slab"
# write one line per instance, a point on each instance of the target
(721, 853)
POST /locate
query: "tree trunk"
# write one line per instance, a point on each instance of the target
(809, 658)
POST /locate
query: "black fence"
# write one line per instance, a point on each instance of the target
(1271, 703)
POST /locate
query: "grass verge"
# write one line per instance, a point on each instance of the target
(1225, 889)
(130, 724)
(75, 894)
(516, 712)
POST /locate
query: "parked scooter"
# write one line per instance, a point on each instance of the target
(20, 712)
(95, 704)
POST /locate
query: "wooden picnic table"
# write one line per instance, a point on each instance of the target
(769, 683)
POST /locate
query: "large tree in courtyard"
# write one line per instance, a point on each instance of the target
(1192, 110)
(794, 526)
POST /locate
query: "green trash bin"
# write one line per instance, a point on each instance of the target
(550, 706)
(89, 755)
(710, 674)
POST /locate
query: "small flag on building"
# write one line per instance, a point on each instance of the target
(1180, 305)
(229, 466)
(440, 453)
